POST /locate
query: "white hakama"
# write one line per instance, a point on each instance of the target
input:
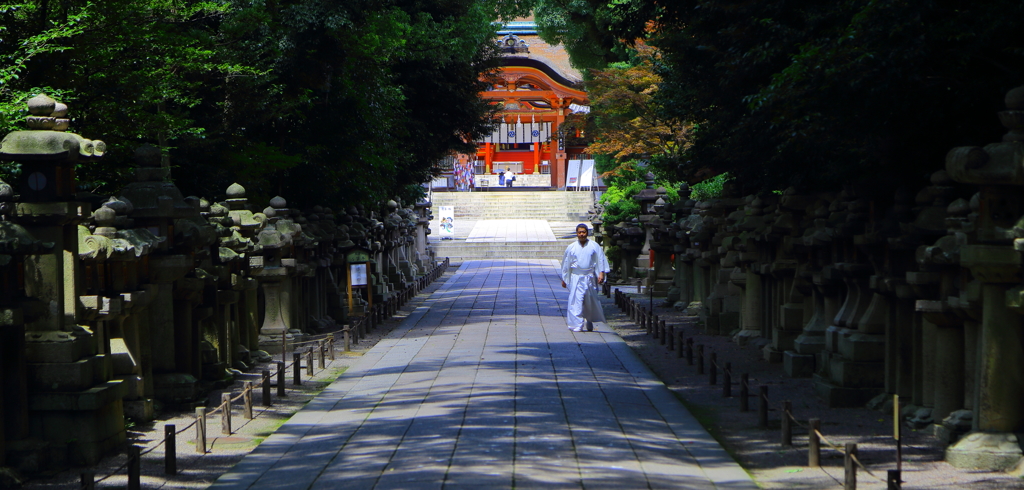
(580, 266)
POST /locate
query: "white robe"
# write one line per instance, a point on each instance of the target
(580, 266)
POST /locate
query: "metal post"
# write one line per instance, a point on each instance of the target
(247, 400)
(170, 450)
(850, 482)
(225, 414)
(814, 444)
(201, 430)
(280, 379)
(892, 480)
(787, 426)
(744, 392)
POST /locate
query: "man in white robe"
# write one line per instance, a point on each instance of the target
(583, 268)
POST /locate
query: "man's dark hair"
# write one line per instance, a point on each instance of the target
(584, 226)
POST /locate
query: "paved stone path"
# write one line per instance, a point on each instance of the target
(484, 387)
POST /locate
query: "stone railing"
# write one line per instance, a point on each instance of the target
(917, 295)
(110, 304)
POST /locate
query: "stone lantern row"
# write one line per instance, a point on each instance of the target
(112, 303)
(919, 296)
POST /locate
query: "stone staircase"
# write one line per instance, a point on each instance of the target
(551, 206)
(562, 210)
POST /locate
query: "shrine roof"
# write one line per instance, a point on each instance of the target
(553, 56)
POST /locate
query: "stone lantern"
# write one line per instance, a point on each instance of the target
(994, 259)
(75, 406)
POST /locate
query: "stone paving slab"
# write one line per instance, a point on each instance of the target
(485, 387)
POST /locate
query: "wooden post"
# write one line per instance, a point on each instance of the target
(713, 367)
(700, 359)
(744, 392)
(814, 444)
(297, 371)
(762, 407)
(727, 381)
(134, 479)
(671, 338)
(787, 426)
(850, 483)
(330, 345)
(170, 450)
(225, 414)
(247, 400)
(323, 354)
(689, 351)
(280, 379)
(265, 385)
(88, 480)
(309, 362)
(201, 430)
(347, 337)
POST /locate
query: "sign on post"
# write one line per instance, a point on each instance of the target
(357, 262)
(447, 216)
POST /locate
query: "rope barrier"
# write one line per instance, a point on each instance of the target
(318, 339)
(112, 473)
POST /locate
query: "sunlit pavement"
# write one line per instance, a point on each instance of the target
(484, 387)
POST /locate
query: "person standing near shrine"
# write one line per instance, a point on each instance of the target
(584, 266)
(510, 177)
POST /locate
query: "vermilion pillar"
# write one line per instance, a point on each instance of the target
(536, 157)
(488, 157)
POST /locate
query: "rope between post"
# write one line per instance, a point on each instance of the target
(866, 470)
(219, 408)
(791, 417)
(187, 428)
(125, 465)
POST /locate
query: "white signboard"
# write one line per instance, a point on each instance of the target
(358, 274)
(572, 175)
(587, 174)
(446, 215)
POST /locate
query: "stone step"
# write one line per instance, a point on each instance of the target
(461, 250)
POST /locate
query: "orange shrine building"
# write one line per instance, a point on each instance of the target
(537, 89)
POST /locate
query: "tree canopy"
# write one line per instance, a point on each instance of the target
(813, 94)
(324, 101)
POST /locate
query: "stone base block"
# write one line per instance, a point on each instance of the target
(771, 354)
(857, 374)
(987, 451)
(175, 388)
(89, 424)
(798, 365)
(809, 344)
(139, 410)
(840, 396)
(69, 376)
(862, 347)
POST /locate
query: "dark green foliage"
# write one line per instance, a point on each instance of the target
(331, 102)
(820, 94)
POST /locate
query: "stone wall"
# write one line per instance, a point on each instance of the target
(914, 294)
(112, 305)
